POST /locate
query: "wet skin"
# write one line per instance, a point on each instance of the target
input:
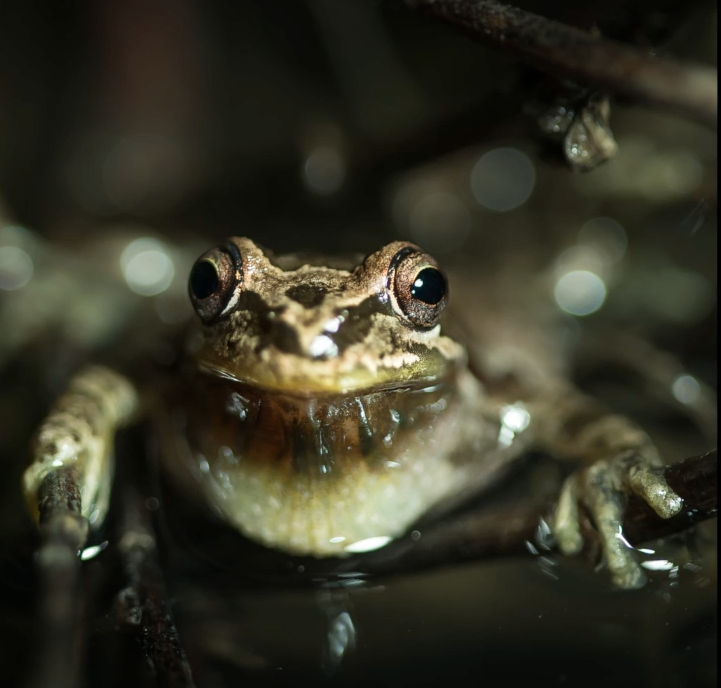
(325, 408)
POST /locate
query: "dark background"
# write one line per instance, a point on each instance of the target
(339, 125)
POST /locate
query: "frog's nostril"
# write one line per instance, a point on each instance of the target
(285, 338)
(307, 295)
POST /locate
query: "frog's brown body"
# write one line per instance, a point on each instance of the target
(325, 408)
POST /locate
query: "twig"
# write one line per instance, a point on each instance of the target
(693, 479)
(63, 533)
(570, 53)
(512, 533)
(143, 604)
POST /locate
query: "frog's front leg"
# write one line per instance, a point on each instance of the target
(72, 465)
(67, 486)
(620, 457)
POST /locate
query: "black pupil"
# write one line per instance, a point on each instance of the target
(429, 286)
(203, 280)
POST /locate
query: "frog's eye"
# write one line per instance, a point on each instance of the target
(215, 282)
(418, 287)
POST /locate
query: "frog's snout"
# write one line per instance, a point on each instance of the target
(316, 343)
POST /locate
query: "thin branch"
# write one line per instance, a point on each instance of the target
(511, 533)
(569, 53)
(63, 532)
(143, 605)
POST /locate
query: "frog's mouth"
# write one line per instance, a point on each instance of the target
(273, 370)
(352, 385)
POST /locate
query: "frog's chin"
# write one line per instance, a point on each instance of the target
(313, 378)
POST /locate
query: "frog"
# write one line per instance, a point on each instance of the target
(325, 404)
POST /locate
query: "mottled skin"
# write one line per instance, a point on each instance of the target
(326, 408)
(293, 326)
(79, 433)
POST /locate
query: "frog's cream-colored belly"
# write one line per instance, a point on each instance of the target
(357, 511)
(332, 476)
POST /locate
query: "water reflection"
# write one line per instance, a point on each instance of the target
(514, 419)
(341, 635)
(658, 565)
(341, 638)
(367, 545)
(93, 551)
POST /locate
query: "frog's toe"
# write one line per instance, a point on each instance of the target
(601, 496)
(566, 526)
(648, 483)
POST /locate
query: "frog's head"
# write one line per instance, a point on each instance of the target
(305, 324)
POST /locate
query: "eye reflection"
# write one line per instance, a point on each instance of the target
(429, 286)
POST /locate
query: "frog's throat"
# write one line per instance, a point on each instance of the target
(314, 475)
(298, 433)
